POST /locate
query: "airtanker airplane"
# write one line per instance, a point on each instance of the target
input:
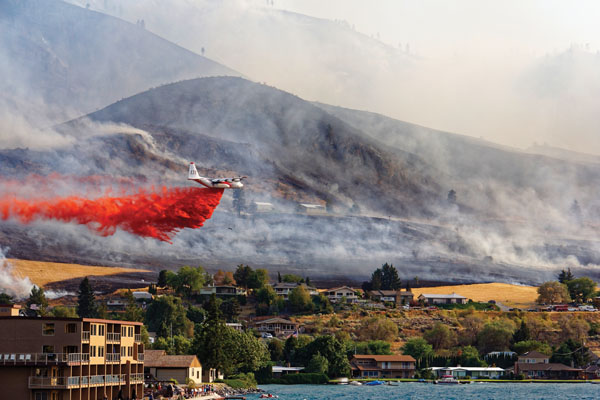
(223, 183)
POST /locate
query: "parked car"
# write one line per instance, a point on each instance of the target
(266, 335)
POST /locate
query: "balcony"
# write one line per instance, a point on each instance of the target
(85, 336)
(113, 337)
(113, 357)
(44, 358)
(136, 378)
(138, 338)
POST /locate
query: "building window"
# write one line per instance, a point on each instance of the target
(47, 349)
(92, 351)
(100, 330)
(130, 329)
(48, 329)
(122, 351)
(100, 351)
(93, 330)
(129, 351)
(41, 396)
(71, 328)
(123, 331)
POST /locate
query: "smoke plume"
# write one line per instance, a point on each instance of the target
(156, 214)
(10, 284)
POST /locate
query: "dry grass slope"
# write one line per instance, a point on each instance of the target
(510, 295)
(41, 273)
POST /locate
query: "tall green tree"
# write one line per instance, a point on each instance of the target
(38, 299)
(86, 300)
(390, 279)
(333, 351)
(258, 279)
(210, 340)
(419, 349)
(166, 315)
(162, 278)
(553, 293)
(299, 299)
(276, 350)
(440, 336)
(521, 334)
(495, 336)
(570, 353)
(133, 312)
(242, 275)
(565, 276)
(6, 299)
(581, 289)
(189, 281)
(469, 357)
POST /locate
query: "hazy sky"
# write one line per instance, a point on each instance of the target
(440, 27)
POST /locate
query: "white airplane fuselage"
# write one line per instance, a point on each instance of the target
(220, 183)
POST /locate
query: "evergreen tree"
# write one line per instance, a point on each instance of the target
(86, 303)
(209, 341)
(38, 299)
(389, 278)
(521, 334)
(162, 278)
(278, 277)
(565, 276)
(307, 281)
(133, 312)
(6, 299)
(377, 279)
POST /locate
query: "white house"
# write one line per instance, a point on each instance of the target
(142, 295)
(471, 372)
(442, 299)
(336, 294)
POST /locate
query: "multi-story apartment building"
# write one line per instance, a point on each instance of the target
(70, 358)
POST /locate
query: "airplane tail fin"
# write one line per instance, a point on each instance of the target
(193, 172)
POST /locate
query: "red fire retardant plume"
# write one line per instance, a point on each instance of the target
(157, 214)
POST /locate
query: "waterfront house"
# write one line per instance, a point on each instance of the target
(163, 368)
(277, 326)
(279, 371)
(336, 294)
(536, 365)
(382, 366)
(70, 358)
(433, 299)
(471, 372)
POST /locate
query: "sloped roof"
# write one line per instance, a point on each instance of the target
(443, 296)
(545, 367)
(534, 354)
(159, 359)
(393, 357)
(275, 321)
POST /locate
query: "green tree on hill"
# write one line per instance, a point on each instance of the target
(581, 289)
(133, 312)
(37, 298)
(565, 276)
(209, 341)
(553, 293)
(300, 300)
(440, 336)
(6, 299)
(86, 301)
(521, 334)
(419, 349)
(166, 315)
(162, 278)
(242, 275)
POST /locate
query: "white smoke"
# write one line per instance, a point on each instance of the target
(10, 283)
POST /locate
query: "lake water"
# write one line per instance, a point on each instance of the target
(417, 391)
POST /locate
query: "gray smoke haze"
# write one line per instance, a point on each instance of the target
(475, 86)
(513, 220)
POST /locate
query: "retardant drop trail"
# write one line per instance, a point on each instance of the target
(157, 214)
